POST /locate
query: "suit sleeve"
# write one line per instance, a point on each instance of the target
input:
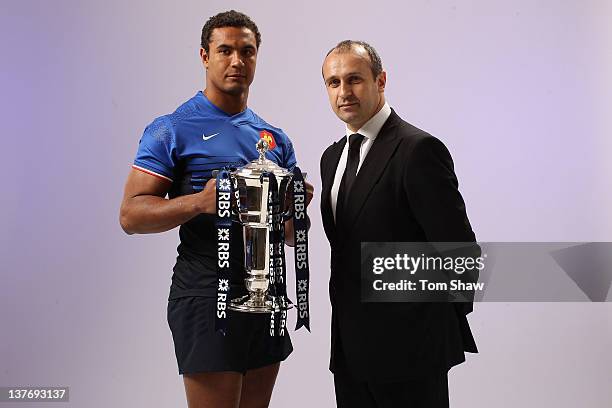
(322, 164)
(432, 189)
(433, 195)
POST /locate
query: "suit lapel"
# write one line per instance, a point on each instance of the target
(330, 164)
(372, 168)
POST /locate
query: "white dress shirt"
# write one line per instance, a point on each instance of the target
(369, 130)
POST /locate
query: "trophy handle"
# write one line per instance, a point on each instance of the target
(235, 202)
(288, 214)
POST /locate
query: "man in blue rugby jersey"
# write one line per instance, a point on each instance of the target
(176, 157)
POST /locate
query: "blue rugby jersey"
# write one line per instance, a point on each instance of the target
(185, 147)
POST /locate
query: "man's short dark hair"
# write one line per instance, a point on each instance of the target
(230, 18)
(347, 46)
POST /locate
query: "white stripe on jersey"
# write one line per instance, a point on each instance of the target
(151, 172)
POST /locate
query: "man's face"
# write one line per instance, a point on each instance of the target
(231, 59)
(354, 94)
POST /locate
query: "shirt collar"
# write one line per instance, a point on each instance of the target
(245, 116)
(371, 128)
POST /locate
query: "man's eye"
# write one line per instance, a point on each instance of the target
(334, 83)
(225, 51)
(249, 52)
(355, 80)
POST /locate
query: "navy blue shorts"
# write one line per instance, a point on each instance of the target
(199, 348)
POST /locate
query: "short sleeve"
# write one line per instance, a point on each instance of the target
(156, 151)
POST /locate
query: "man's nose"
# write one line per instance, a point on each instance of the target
(345, 89)
(237, 59)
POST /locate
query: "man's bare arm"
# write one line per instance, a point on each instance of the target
(145, 209)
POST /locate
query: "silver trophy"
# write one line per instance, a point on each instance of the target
(253, 214)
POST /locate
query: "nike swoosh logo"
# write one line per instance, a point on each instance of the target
(209, 137)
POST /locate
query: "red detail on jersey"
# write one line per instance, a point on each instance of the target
(267, 136)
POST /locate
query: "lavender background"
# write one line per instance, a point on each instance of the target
(519, 91)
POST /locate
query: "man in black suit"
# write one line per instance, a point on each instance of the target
(385, 181)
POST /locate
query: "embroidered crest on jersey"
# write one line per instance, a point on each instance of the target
(267, 136)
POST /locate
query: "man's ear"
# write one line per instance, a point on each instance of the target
(381, 81)
(204, 57)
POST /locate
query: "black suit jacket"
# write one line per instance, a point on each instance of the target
(406, 191)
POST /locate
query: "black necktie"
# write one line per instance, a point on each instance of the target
(350, 173)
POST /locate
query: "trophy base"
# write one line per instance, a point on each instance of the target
(255, 304)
